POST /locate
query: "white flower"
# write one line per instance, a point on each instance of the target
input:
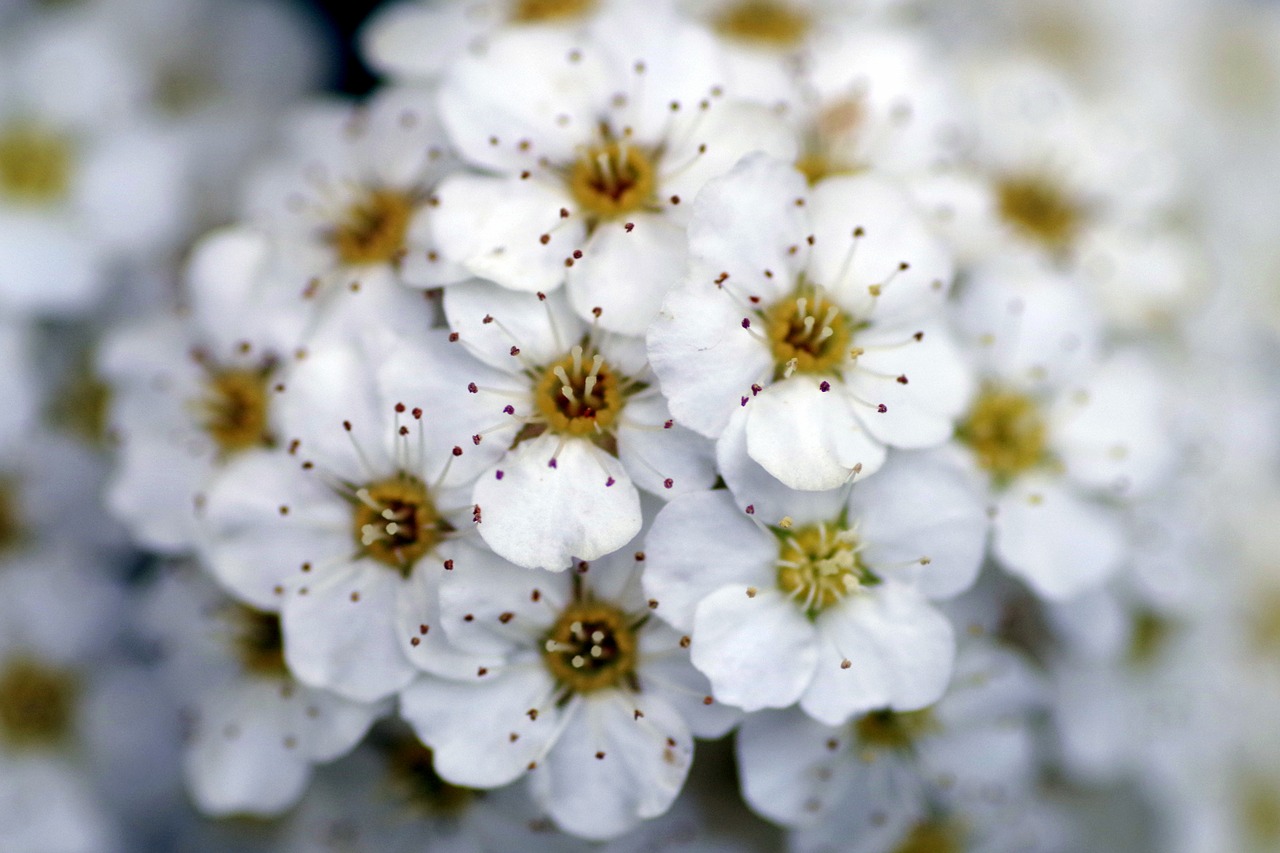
(1060, 434)
(568, 421)
(349, 524)
(973, 743)
(594, 153)
(831, 609)
(584, 692)
(816, 313)
(253, 731)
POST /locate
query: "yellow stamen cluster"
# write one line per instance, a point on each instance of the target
(37, 703)
(396, 522)
(1006, 432)
(413, 774)
(898, 730)
(374, 228)
(1039, 210)
(935, 835)
(819, 566)
(578, 395)
(808, 333)
(258, 641)
(35, 164)
(539, 11)
(592, 646)
(764, 23)
(235, 409)
(613, 180)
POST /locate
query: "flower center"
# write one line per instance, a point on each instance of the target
(612, 180)
(763, 23)
(12, 530)
(885, 729)
(374, 229)
(258, 641)
(1149, 635)
(1006, 432)
(808, 333)
(538, 11)
(578, 395)
(396, 522)
(818, 566)
(235, 409)
(35, 164)
(835, 129)
(1039, 210)
(934, 835)
(37, 704)
(591, 646)
(413, 773)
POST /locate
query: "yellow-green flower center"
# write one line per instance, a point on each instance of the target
(37, 703)
(395, 521)
(414, 777)
(818, 566)
(12, 528)
(592, 646)
(579, 395)
(764, 23)
(35, 164)
(234, 408)
(257, 640)
(540, 11)
(1039, 210)
(897, 730)
(1006, 431)
(834, 130)
(935, 835)
(374, 228)
(612, 180)
(808, 333)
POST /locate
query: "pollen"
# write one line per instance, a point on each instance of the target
(541, 11)
(35, 164)
(374, 228)
(896, 730)
(37, 703)
(1006, 431)
(808, 333)
(763, 23)
(613, 179)
(818, 566)
(234, 408)
(1039, 210)
(395, 521)
(592, 646)
(579, 395)
(257, 640)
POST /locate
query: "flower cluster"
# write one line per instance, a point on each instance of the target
(616, 377)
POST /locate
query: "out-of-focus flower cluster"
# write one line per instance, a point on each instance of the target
(694, 425)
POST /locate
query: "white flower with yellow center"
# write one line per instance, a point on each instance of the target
(253, 732)
(593, 154)
(975, 741)
(586, 693)
(348, 524)
(568, 420)
(829, 609)
(351, 197)
(87, 179)
(190, 391)
(811, 319)
(1063, 436)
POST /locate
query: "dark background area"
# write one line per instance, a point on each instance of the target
(342, 19)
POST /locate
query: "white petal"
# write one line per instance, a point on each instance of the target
(665, 461)
(759, 650)
(340, 632)
(46, 269)
(922, 506)
(494, 227)
(698, 544)
(544, 330)
(611, 767)
(1057, 542)
(900, 652)
(793, 768)
(482, 588)
(408, 40)
(808, 438)
(540, 515)
(421, 629)
(626, 270)
(665, 671)
(469, 725)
